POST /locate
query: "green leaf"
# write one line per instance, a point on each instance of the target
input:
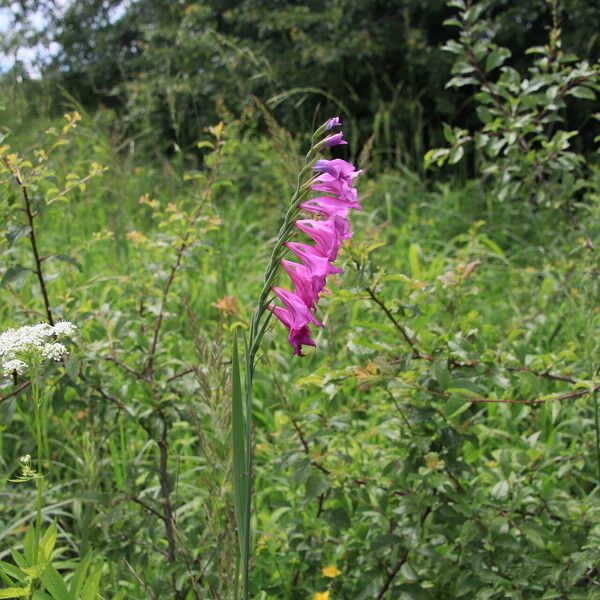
(48, 542)
(384, 540)
(14, 592)
(500, 490)
(582, 92)
(28, 547)
(55, 585)
(461, 82)
(13, 273)
(456, 154)
(79, 576)
(316, 484)
(13, 571)
(413, 259)
(238, 441)
(67, 259)
(16, 233)
(19, 559)
(436, 155)
(39, 595)
(92, 585)
(496, 58)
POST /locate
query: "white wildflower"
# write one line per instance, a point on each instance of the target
(31, 344)
(64, 328)
(53, 351)
(12, 366)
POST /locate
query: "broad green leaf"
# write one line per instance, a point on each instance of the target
(67, 259)
(16, 233)
(28, 546)
(582, 92)
(496, 58)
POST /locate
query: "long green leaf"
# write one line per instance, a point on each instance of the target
(78, 578)
(14, 592)
(239, 450)
(55, 584)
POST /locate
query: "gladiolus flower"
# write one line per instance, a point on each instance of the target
(306, 286)
(333, 122)
(339, 188)
(324, 233)
(295, 316)
(337, 168)
(317, 264)
(335, 178)
(327, 206)
(337, 139)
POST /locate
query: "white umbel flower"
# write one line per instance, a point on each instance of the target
(54, 351)
(31, 344)
(14, 366)
(64, 328)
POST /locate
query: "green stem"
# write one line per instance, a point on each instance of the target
(257, 331)
(37, 407)
(597, 424)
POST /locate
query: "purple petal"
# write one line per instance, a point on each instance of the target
(333, 122)
(337, 139)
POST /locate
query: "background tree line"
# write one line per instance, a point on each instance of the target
(170, 69)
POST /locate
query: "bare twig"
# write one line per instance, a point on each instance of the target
(391, 576)
(15, 391)
(416, 351)
(32, 238)
(181, 374)
(403, 558)
(163, 472)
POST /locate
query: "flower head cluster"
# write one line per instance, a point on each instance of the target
(335, 195)
(32, 344)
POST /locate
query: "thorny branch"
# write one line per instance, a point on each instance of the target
(403, 558)
(32, 238)
(403, 332)
(420, 355)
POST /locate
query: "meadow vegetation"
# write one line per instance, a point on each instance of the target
(441, 441)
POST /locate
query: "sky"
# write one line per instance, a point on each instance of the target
(37, 21)
(26, 55)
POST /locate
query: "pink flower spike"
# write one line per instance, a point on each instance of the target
(328, 206)
(337, 139)
(297, 337)
(324, 233)
(338, 168)
(342, 227)
(318, 265)
(307, 286)
(297, 309)
(342, 189)
(333, 122)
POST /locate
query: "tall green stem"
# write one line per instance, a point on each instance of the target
(597, 424)
(257, 330)
(37, 407)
